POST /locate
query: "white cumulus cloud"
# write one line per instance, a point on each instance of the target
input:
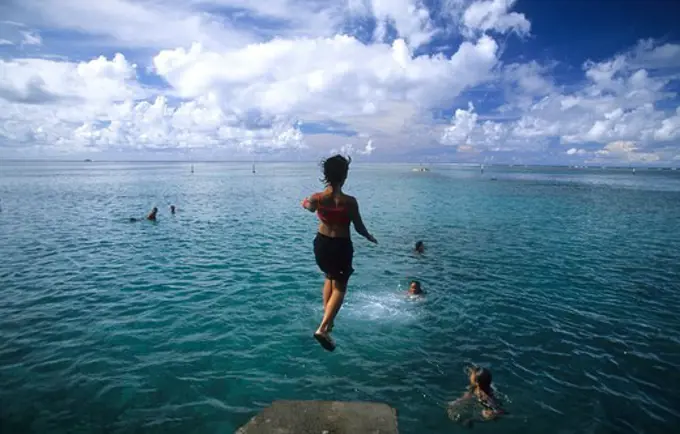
(495, 15)
(41, 80)
(463, 124)
(350, 150)
(337, 76)
(368, 150)
(616, 104)
(320, 75)
(574, 151)
(410, 18)
(625, 151)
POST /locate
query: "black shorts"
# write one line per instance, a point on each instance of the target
(334, 257)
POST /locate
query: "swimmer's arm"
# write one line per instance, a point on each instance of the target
(455, 406)
(494, 411)
(490, 414)
(465, 397)
(359, 223)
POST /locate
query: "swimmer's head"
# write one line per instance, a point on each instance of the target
(414, 288)
(420, 247)
(480, 377)
(335, 170)
(172, 209)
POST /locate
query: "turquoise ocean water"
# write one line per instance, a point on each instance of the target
(566, 283)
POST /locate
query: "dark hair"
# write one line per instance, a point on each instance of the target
(483, 377)
(335, 170)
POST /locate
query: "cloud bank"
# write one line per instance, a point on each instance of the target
(309, 77)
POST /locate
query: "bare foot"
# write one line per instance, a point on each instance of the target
(325, 340)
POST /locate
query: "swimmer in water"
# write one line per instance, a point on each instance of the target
(481, 391)
(420, 247)
(151, 216)
(415, 289)
(172, 209)
(333, 248)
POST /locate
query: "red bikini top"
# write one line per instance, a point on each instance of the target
(333, 215)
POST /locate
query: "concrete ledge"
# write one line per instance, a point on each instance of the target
(323, 417)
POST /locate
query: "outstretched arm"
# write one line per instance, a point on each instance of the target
(310, 203)
(359, 223)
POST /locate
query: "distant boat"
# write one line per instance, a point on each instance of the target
(253, 167)
(87, 160)
(420, 169)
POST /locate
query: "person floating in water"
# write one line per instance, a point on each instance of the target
(420, 247)
(172, 209)
(415, 289)
(333, 248)
(151, 216)
(479, 390)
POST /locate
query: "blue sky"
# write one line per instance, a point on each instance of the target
(487, 81)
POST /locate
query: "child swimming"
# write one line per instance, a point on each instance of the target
(479, 392)
(415, 289)
(151, 216)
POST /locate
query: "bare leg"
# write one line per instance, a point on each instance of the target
(327, 291)
(333, 306)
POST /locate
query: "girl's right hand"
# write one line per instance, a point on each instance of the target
(372, 239)
(307, 204)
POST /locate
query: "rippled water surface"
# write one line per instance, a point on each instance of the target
(565, 283)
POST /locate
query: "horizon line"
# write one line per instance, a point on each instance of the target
(421, 163)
